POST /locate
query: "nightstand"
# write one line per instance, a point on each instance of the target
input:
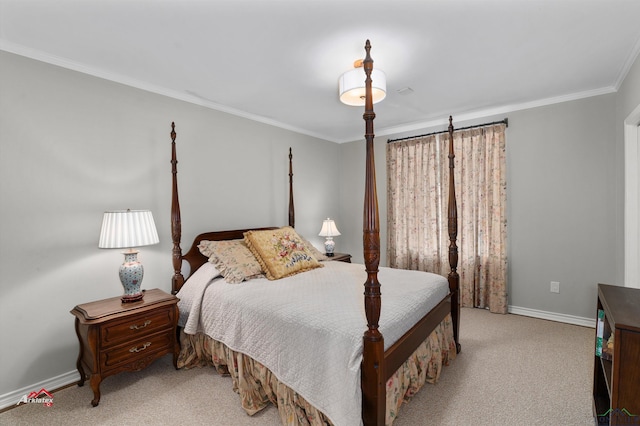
(341, 257)
(116, 337)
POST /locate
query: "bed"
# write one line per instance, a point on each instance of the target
(296, 339)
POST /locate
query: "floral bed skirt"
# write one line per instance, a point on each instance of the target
(258, 387)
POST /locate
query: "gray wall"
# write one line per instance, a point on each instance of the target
(73, 146)
(565, 189)
(562, 205)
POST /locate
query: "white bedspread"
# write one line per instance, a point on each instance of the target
(307, 329)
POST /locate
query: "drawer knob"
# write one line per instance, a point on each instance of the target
(138, 327)
(140, 349)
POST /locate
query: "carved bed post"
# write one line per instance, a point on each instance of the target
(176, 225)
(373, 377)
(292, 216)
(454, 278)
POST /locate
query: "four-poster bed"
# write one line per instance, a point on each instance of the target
(434, 326)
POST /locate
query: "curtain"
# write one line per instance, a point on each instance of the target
(417, 192)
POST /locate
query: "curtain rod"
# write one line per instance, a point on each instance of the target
(505, 122)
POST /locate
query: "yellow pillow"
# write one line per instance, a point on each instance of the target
(281, 252)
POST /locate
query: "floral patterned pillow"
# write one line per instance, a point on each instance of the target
(232, 258)
(281, 252)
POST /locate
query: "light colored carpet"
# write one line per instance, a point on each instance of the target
(512, 370)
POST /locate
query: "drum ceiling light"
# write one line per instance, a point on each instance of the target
(352, 85)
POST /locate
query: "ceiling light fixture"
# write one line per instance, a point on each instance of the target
(352, 85)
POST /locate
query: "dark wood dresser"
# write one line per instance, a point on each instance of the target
(616, 377)
(116, 337)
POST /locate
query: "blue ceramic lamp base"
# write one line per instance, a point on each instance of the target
(329, 246)
(131, 273)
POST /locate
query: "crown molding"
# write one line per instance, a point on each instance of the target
(626, 67)
(189, 97)
(489, 112)
(193, 98)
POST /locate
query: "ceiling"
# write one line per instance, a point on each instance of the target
(278, 61)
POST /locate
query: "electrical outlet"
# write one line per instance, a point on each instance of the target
(555, 287)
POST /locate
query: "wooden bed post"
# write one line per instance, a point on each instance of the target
(292, 216)
(454, 278)
(373, 375)
(176, 225)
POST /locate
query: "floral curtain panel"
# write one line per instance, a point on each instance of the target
(417, 172)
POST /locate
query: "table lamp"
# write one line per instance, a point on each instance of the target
(129, 229)
(329, 230)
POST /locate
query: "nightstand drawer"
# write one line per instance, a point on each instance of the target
(134, 326)
(136, 349)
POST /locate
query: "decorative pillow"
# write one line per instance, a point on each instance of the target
(232, 258)
(314, 251)
(204, 248)
(281, 252)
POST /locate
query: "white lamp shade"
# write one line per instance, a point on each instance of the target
(329, 229)
(127, 229)
(352, 86)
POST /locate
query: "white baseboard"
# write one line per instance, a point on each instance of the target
(12, 398)
(553, 316)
